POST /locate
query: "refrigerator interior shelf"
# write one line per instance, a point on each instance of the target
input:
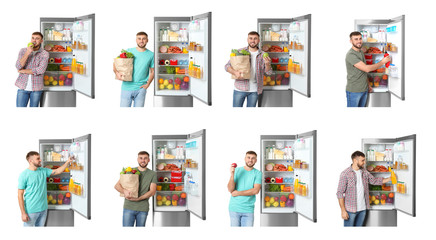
(169, 182)
(280, 183)
(173, 41)
(277, 52)
(284, 42)
(61, 52)
(279, 159)
(170, 159)
(277, 192)
(173, 65)
(167, 171)
(174, 53)
(170, 191)
(277, 171)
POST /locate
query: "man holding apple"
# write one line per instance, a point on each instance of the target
(245, 182)
(136, 209)
(353, 190)
(32, 190)
(32, 61)
(250, 89)
(143, 74)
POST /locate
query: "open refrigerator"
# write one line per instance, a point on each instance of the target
(288, 43)
(385, 200)
(183, 60)
(180, 164)
(69, 191)
(384, 36)
(70, 43)
(289, 178)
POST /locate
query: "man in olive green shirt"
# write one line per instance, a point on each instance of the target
(357, 79)
(136, 209)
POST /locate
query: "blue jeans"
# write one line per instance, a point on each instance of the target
(241, 219)
(24, 96)
(239, 98)
(130, 216)
(138, 96)
(355, 219)
(356, 99)
(36, 219)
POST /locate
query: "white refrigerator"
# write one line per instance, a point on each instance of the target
(285, 159)
(180, 164)
(69, 191)
(385, 201)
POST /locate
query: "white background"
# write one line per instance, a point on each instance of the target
(118, 134)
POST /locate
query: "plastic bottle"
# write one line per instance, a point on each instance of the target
(296, 185)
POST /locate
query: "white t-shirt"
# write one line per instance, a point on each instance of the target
(252, 82)
(29, 84)
(360, 192)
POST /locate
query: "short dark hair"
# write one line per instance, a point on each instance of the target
(357, 154)
(143, 153)
(39, 34)
(251, 152)
(254, 33)
(355, 34)
(142, 33)
(31, 153)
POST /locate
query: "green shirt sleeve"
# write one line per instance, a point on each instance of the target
(258, 179)
(22, 181)
(47, 172)
(353, 59)
(154, 179)
(152, 60)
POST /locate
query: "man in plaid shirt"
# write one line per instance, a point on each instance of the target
(353, 190)
(32, 61)
(253, 87)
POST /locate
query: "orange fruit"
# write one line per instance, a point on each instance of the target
(161, 80)
(45, 78)
(186, 79)
(159, 197)
(291, 196)
(267, 199)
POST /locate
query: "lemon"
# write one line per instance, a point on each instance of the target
(168, 203)
(129, 169)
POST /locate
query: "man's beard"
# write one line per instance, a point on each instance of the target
(37, 165)
(143, 165)
(357, 46)
(250, 166)
(142, 46)
(360, 166)
(256, 46)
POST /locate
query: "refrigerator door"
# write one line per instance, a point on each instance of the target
(397, 37)
(201, 87)
(306, 151)
(301, 82)
(196, 150)
(82, 152)
(406, 202)
(85, 83)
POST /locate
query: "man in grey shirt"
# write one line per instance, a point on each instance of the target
(357, 79)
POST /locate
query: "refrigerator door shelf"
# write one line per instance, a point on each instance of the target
(397, 84)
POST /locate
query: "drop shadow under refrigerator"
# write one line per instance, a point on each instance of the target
(181, 80)
(69, 191)
(61, 85)
(278, 88)
(180, 164)
(293, 156)
(394, 85)
(386, 200)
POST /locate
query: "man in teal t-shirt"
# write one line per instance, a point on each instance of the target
(245, 182)
(32, 190)
(143, 74)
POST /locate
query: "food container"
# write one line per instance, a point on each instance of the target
(393, 71)
(176, 174)
(275, 60)
(279, 180)
(58, 60)
(304, 165)
(368, 56)
(176, 179)
(369, 62)
(173, 62)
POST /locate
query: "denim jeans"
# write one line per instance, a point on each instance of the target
(130, 217)
(241, 219)
(355, 219)
(137, 96)
(239, 98)
(24, 96)
(356, 99)
(36, 219)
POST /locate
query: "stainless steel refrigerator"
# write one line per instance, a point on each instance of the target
(70, 191)
(183, 53)
(62, 80)
(284, 159)
(392, 33)
(180, 164)
(400, 154)
(293, 36)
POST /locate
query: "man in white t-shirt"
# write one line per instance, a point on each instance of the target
(250, 88)
(353, 190)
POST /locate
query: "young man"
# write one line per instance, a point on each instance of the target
(143, 74)
(32, 190)
(136, 209)
(245, 182)
(32, 61)
(250, 89)
(353, 190)
(357, 77)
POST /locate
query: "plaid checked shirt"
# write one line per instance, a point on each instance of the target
(244, 84)
(347, 187)
(37, 61)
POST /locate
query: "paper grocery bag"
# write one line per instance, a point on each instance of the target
(241, 63)
(125, 67)
(131, 183)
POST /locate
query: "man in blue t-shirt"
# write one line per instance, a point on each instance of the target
(32, 190)
(143, 74)
(245, 182)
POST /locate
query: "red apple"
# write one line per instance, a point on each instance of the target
(234, 165)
